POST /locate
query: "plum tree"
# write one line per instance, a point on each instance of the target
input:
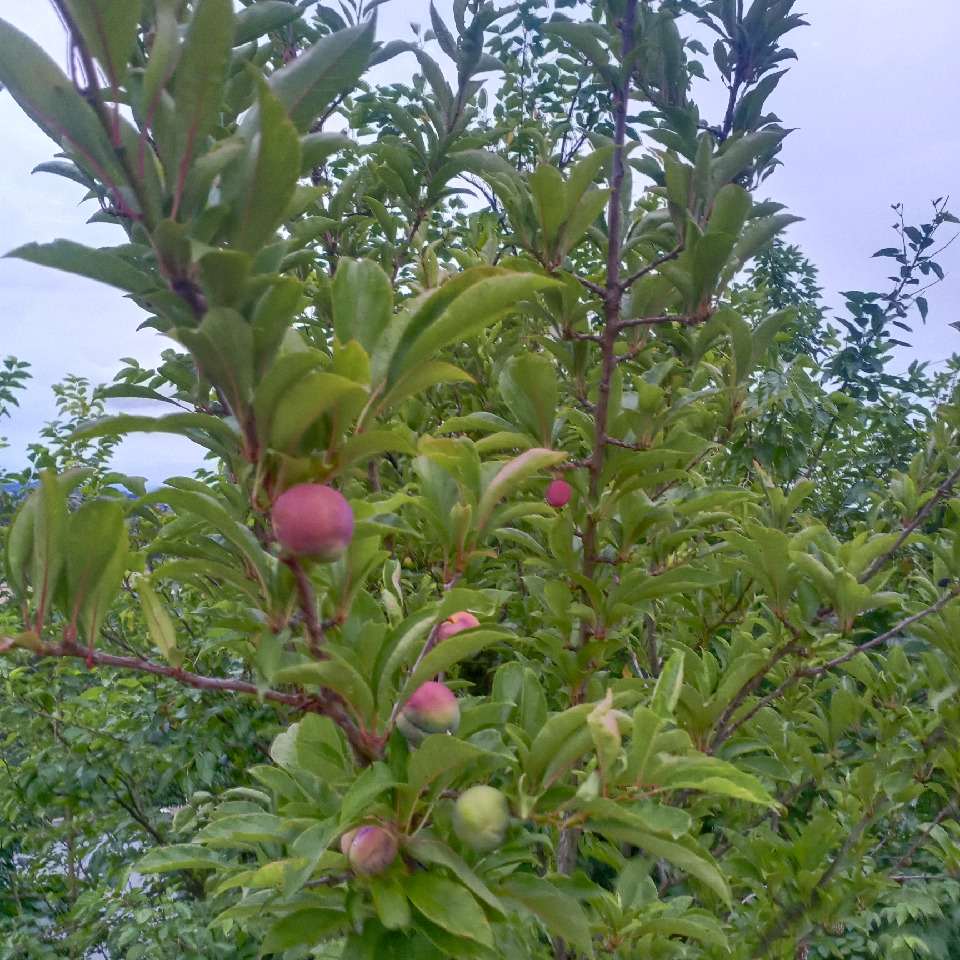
(717, 686)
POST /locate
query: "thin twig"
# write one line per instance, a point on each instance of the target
(836, 662)
(650, 267)
(938, 494)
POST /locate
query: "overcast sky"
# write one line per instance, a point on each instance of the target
(874, 98)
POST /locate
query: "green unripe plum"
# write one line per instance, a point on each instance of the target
(481, 816)
(314, 521)
(461, 620)
(433, 708)
(370, 849)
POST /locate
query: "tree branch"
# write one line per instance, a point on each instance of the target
(650, 267)
(938, 495)
(308, 606)
(836, 662)
(327, 703)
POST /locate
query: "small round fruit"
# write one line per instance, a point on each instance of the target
(461, 620)
(433, 708)
(312, 520)
(371, 850)
(347, 839)
(481, 816)
(558, 493)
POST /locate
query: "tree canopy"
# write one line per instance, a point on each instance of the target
(562, 582)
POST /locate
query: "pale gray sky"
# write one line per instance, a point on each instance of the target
(875, 98)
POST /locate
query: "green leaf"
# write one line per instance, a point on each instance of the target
(512, 475)
(49, 98)
(376, 780)
(709, 774)
(447, 653)
(362, 301)
(109, 31)
(259, 188)
(197, 85)
(371, 443)
(179, 856)
(433, 851)
(202, 428)
(265, 16)
(460, 309)
(49, 543)
(333, 674)
(307, 926)
(95, 563)
(438, 756)
(101, 265)
(305, 402)
(683, 853)
(552, 742)
(448, 905)
(287, 370)
(18, 549)
(530, 389)
(584, 38)
(243, 829)
(444, 37)
(223, 351)
(702, 928)
(211, 512)
(561, 914)
(159, 624)
(415, 381)
(669, 684)
(163, 59)
(307, 85)
(316, 147)
(391, 903)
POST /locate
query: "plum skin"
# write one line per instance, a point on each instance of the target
(314, 521)
(558, 493)
(369, 849)
(433, 708)
(461, 620)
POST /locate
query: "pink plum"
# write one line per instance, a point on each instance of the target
(312, 520)
(461, 620)
(371, 850)
(558, 493)
(432, 708)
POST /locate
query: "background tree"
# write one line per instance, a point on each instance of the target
(696, 703)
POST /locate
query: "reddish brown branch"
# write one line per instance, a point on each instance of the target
(326, 703)
(308, 606)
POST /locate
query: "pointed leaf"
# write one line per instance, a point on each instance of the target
(101, 265)
(159, 625)
(95, 563)
(49, 98)
(307, 85)
(561, 914)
